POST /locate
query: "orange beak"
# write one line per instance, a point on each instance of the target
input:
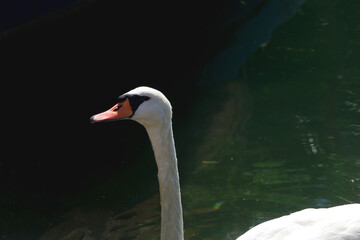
(119, 111)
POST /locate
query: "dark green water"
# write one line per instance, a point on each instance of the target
(300, 145)
(282, 135)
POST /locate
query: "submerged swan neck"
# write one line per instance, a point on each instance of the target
(161, 137)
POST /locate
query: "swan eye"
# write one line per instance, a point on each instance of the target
(117, 107)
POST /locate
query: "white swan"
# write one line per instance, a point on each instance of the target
(152, 109)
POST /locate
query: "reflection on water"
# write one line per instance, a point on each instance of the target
(139, 222)
(285, 140)
(247, 36)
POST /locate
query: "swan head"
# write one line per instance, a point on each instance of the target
(145, 105)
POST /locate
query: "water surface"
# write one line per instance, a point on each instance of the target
(281, 135)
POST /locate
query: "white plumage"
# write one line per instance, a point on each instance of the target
(152, 109)
(336, 223)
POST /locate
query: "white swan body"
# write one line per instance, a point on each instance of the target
(336, 223)
(151, 108)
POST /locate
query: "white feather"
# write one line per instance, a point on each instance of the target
(336, 223)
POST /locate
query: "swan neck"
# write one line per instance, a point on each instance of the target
(165, 154)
